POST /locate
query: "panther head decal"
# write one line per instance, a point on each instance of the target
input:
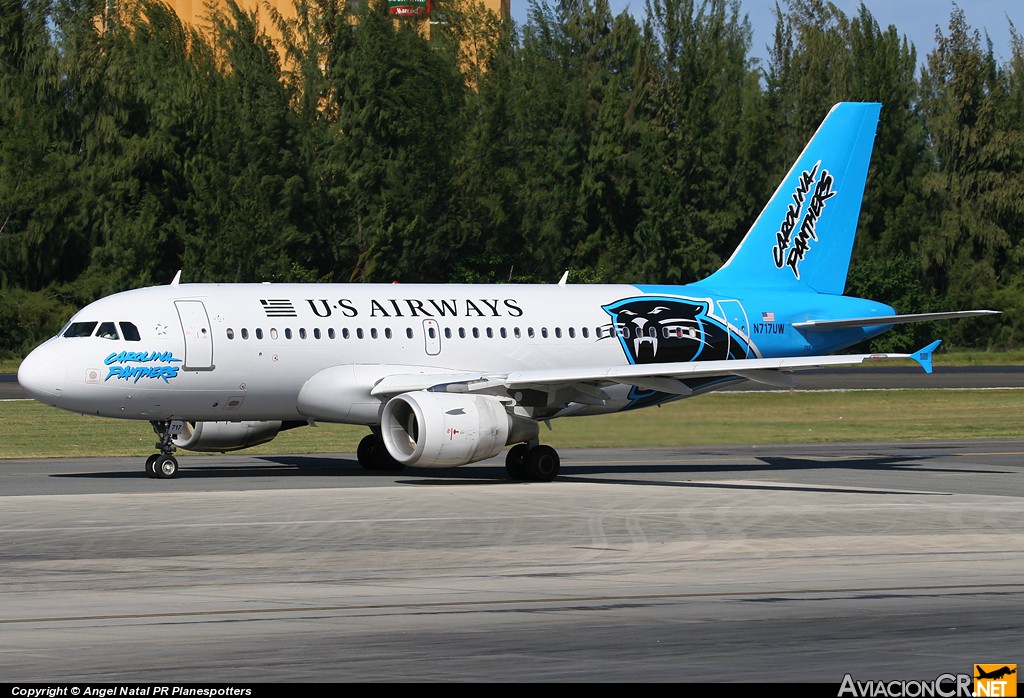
(665, 329)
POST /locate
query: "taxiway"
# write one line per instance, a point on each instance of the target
(775, 563)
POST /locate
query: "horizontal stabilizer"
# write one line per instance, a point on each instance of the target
(826, 325)
(924, 356)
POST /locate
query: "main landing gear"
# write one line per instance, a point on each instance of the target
(163, 465)
(373, 454)
(530, 461)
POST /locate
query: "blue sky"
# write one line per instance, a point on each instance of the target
(915, 18)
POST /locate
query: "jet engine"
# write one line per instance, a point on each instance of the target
(224, 436)
(438, 430)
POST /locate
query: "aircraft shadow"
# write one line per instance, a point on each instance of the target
(320, 466)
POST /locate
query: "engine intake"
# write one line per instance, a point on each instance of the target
(438, 430)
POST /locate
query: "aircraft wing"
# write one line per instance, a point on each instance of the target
(665, 377)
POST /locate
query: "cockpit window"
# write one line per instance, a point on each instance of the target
(130, 332)
(80, 329)
(107, 330)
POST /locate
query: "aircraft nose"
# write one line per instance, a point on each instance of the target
(41, 378)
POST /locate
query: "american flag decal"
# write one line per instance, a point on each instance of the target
(768, 317)
(278, 308)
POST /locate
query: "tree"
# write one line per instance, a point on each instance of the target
(976, 189)
(701, 166)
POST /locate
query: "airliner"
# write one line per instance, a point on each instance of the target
(445, 375)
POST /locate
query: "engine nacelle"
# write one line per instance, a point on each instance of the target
(438, 430)
(224, 436)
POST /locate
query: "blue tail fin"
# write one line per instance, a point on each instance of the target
(804, 236)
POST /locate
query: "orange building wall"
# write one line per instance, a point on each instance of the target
(194, 11)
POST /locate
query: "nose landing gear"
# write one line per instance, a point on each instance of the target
(163, 465)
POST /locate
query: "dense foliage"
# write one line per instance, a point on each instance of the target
(358, 149)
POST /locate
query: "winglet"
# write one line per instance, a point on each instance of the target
(924, 356)
(176, 279)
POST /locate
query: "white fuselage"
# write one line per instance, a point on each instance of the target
(244, 351)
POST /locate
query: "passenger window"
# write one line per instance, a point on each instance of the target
(231, 333)
(529, 332)
(586, 333)
(387, 333)
(359, 333)
(344, 333)
(259, 333)
(302, 333)
(408, 332)
(503, 332)
(80, 329)
(572, 333)
(476, 333)
(245, 333)
(107, 331)
(316, 333)
(517, 332)
(130, 332)
(288, 333)
(490, 333)
(558, 332)
(544, 332)
(432, 332)
(462, 332)
(273, 333)
(330, 333)
(447, 332)
(373, 333)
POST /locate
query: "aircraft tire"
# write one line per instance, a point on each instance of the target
(542, 464)
(366, 451)
(385, 461)
(166, 467)
(373, 455)
(150, 463)
(515, 462)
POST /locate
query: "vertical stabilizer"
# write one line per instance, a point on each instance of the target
(804, 236)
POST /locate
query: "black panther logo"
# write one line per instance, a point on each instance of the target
(666, 329)
(663, 329)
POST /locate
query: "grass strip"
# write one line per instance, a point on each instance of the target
(29, 429)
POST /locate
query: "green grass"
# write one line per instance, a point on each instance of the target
(1013, 357)
(29, 429)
